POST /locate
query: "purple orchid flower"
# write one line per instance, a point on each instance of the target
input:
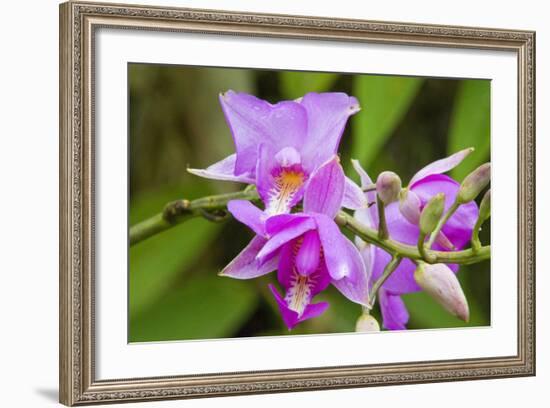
(278, 147)
(307, 249)
(402, 220)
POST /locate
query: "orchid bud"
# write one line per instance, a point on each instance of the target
(388, 186)
(485, 206)
(474, 182)
(431, 214)
(442, 285)
(409, 205)
(367, 323)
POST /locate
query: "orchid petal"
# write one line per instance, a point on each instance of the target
(287, 275)
(285, 269)
(253, 121)
(394, 312)
(441, 166)
(366, 217)
(288, 156)
(277, 223)
(223, 170)
(401, 280)
(458, 229)
(356, 288)
(410, 206)
(327, 115)
(246, 266)
(444, 241)
(334, 248)
(292, 318)
(287, 234)
(354, 198)
(366, 182)
(307, 258)
(313, 310)
(367, 252)
(248, 214)
(325, 189)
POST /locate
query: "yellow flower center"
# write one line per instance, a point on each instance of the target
(287, 183)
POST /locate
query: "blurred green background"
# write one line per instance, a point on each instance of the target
(176, 121)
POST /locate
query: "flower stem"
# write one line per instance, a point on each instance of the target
(388, 270)
(382, 225)
(180, 211)
(476, 243)
(421, 245)
(441, 223)
(370, 235)
(213, 208)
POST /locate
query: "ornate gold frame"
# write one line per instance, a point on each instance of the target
(78, 22)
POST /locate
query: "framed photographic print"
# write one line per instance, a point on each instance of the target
(258, 203)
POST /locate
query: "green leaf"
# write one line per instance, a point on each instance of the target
(384, 102)
(200, 307)
(155, 263)
(296, 84)
(471, 125)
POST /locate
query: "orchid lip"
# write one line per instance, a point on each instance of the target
(288, 181)
(299, 293)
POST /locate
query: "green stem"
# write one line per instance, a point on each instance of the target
(370, 235)
(388, 270)
(382, 225)
(476, 243)
(441, 223)
(421, 245)
(214, 207)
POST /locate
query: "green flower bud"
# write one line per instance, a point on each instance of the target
(474, 182)
(485, 206)
(442, 285)
(367, 323)
(431, 214)
(388, 186)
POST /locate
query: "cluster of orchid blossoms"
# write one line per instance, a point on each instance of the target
(289, 152)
